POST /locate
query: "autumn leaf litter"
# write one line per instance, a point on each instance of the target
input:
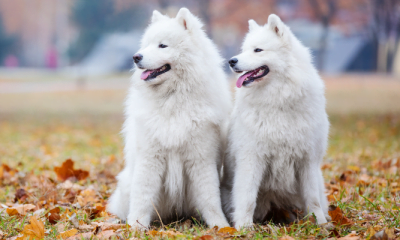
(66, 202)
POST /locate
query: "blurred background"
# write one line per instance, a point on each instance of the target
(64, 69)
(98, 37)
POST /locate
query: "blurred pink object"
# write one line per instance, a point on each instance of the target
(11, 61)
(51, 58)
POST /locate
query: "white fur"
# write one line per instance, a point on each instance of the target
(278, 131)
(174, 126)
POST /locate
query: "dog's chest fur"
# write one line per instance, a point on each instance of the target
(281, 136)
(166, 128)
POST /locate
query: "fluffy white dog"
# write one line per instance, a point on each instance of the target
(177, 107)
(278, 131)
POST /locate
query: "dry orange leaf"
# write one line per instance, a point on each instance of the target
(20, 195)
(20, 209)
(153, 233)
(96, 211)
(67, 171)
(169, 233)
(386, 234)
(109, 234)
(351, 236)
(86, 197)
(337, 216)
(34, 230)
(67, 234)
(206, 237)
(354, 168)
(326, 166)
(364, 180)
(109, 226)
(54, 215)
(228, 230)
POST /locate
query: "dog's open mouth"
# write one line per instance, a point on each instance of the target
(251, 76)
(150, 74)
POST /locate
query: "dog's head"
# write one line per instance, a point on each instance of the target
(164, 43)
(264, 51)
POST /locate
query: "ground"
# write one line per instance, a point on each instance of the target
(40, 197)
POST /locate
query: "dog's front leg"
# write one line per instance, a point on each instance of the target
(248, 176)
(205, 192)
(145, 190)
(310, 185)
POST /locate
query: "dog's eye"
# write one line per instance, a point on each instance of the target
(162, 45)
(257, 50)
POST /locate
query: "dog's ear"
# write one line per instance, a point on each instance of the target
(188, 20)
(157, 16)
(276, 25)
(253, 25)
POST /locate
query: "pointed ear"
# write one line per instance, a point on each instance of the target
(157, 16)
(187, 19)
(252, 25)
(276, 25)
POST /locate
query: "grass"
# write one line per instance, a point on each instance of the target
(40, 130)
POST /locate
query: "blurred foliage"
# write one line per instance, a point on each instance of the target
(6, 42)
(96, 18)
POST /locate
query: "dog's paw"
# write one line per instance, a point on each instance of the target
(328, 226)
(137, 225)
(244, 225)
(220, 223)
(321, 221)
(328, 218)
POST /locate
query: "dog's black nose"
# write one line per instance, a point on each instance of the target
(233, 62)
(137, 57)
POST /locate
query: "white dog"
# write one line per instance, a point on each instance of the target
(278, 131)
(177, 107)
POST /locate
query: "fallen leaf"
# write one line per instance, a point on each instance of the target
(169, 233)
(110, 234)
(20, 195)
(61, 227)
(337, 216)
(206, 237)
(74, 220)
(67, 171)
(386, 234)
(21, 210)
(354, 169)
(85, 227)
(351, 236)
(153, 233)
(364, 180)
(86, 197)
(67, 234)
(109, 226)
(370, 232)
(326, 166)
(227, 230)
(34, 230)
(96, 211)
(53, 215)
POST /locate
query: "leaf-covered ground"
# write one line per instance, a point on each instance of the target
(44, 195)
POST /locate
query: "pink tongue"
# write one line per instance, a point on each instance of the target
(145, 74)
(241, 79)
